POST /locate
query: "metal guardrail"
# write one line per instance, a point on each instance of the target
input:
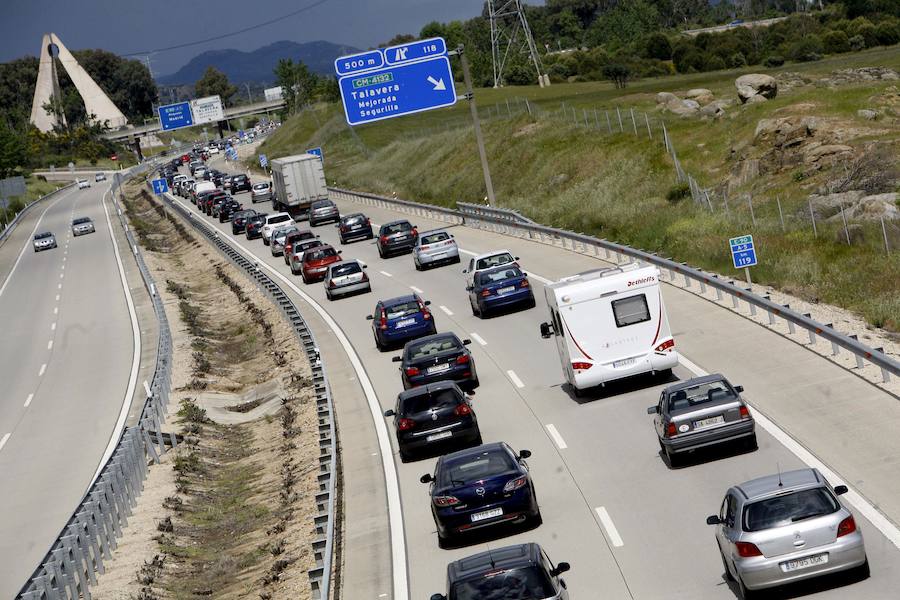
(12, 224)
(70, 566)
(478, 211)
(324, 521)
(592, 246)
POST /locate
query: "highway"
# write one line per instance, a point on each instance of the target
(68, 365)
(630, 526)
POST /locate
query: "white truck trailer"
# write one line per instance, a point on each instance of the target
(608, 324)
(297, 181)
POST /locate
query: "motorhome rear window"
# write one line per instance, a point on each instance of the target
(630, 311)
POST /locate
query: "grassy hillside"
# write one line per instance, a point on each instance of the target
(616, 186)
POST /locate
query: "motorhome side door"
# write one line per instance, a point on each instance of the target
(559, 335)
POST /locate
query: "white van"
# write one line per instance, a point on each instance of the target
(200, 187)
(273, 222)
(609, 323)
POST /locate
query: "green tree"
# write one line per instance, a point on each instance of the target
(215, 82)
(618, 74)
(658, 46)
(298, 83)
(887, 33)
(836, 42)
(626, 22)
(12, 152)
(127, 82)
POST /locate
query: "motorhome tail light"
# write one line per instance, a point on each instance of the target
(581, 366)
(515, 484)
(666, 346)
(442, 501)
(462, 360)
(747, 550)
(745, 412)
(463, 409)
(405, 424)
(412, 371)
(670, 430)
(847, 526)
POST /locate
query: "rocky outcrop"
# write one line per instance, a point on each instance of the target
(756, 84)
(856, 205)
(867, 114)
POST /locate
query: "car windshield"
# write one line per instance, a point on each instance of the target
(523, 583)
(396, 311)
(493, 261)
(397, 227)
(353, 219)
(345, 269)
(473, 467)
(417, 350)
(319, 254)
(81, 220)
(711, 391)
(789, 508)
(498, 275)
(433, 238)
(239, 179)
(42, 236)
(278, 219)
(423, 402)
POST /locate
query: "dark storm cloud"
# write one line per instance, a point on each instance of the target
(128, 26)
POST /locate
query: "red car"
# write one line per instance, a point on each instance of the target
(315, 262)
(185, 159)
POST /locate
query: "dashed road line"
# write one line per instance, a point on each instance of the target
(478, 339)
(557, 439)
(53, 326)
(28, 400)
(446, 310)
(416, 290)
(50, 345)
(43, 370)
(59, 287)
(611, 531)
(515, 379)
(385, 273)
(4, 439)
(55, 310)
(57, 297)
(61, 275)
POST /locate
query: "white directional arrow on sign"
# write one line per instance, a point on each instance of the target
(437, 83)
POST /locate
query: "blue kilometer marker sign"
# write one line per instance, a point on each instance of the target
(743, 253)
(417, 78)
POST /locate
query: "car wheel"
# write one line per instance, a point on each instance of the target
(475, 311)
(380, 252)
(532, 303)
(862, 571)
(405, 456)
(751, 443)
(417, 265)
(378, 344)
(728, 575)
(475, 383)
(444, 541)
(303, 276)
(673, 458)
(265, 241)
(537, 520)
(433, 329)
(743, 592)
(371, 236)
(477, 441)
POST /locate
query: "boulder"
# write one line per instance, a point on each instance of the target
(665, 97)
(683, 108)
(867, 114)
(756, 84)
(756, 99)
(714, 109)
(829, 205)
(697, 93)
(819, 152)
(876, 207)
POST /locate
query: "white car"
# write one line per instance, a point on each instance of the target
(83, 183)
(489, 260)
(273, 222)
(213, 150)
(100, 177)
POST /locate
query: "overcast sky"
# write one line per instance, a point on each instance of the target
(129, 26)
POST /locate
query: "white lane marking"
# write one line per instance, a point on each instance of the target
(515, 379)
(43, 370)
(875, 517)
(57, 297)
(55, 310)
(395, 507)
(385, 273)
(478, 339)
(469, 252)
(50, 345)
(28, 400)
(53, 326)
(61, 275)
(611, 531)
(557, 439)
(64, 267)
(28, 243)
(446, 310)
(416, 290)
(59, 287)
(3, 440)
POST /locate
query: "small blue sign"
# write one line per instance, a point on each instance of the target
(263, 160)
(317, 151)
(175, 116)
(743, 252)
(160, 186)
(413, 51)
(399, 90)
(354, 63)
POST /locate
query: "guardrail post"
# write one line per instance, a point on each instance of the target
(771, 317)
(859, 359)
(78, 564)
(734, 301)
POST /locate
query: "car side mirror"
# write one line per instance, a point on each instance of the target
(713, 520)
(469, 288)
(560, 569)
(546, 330)
(428, 303)
(438, 597)
(524, 274)
(739, 388)
(840, 489)
(465, 270)
(389, 412)
(516, 257)
(652, 410)
(524, 453)
(397, 359)
(336, 225)
(369, 317)
(340, 251)
(364, 266)
(466, 342)
(427, 478)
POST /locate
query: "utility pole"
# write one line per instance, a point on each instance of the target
(249, 95)
(507, 18)
(470, 96)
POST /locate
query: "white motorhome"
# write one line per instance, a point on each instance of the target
(608, 324)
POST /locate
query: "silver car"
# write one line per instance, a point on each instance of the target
(344, 278)
(784, 528)
(44, 241)
(701, 412)
(435, 247)
(82, 225)
(276, 241)
(260, 192)
(296, 258)
(321, 211)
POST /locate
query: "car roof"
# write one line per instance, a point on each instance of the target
(398, 300)
(426, 389)
(780, 483)
(499, 268)
(492, 253)
(433, 336)
(687, 383)
(508, 557)
(490, 447)
(397, 222)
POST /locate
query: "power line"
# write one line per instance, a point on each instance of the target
(233, 33)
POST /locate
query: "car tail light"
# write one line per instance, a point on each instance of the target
(670, 430)
(344, 229)
(485, 293)
(368, 221)
(445, 500)
(665, 346)
(463, 409)
(745, 412)
(412, 371)
(747, 550)
(331, 284)
(515, 484)
(426, 314)
(382, 324)
(415, 232)
(581, 366)
(364, 277)
(405, 424)
(847, 526)
(384, 239)
(524, 283)
(462, 360)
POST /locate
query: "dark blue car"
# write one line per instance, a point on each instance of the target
(439, 357)
(499, 288)
(481, 487)
(401, 319)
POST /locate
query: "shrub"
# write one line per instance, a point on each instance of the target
(677, 193)
(868, 32)
(715, 63)
(618, 74)
(857, 43)
(691, 62)
(773, 60)
(737, 60)
(836, 42)
(659, 46)
(887, 33)
(807, 48)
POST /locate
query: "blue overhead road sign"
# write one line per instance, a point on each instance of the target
(175, 116)
(160, 186)
(398, 90)
(413, 51)
(354, 63)
(743, 253)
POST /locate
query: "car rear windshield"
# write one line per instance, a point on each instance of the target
(81, 220)
(345, 269)
(41, 236)
(282, 233)
(397, 227)
(433, 238)
(401, 310)
(279, 219)
(308, 245)
(322, 204)
(423, 402)
(320, 254)
(789, 508)
(261, 186)
(352, 219)
(494, 261)
(524, 583)
(238, 178)
(711, 391)
(487, 277)
(420, 349)
(473, 467)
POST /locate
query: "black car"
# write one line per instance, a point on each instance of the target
(255, 225)
(228, 208)
(439, 357)
(240, 183)
(520, 571)
(239, 220)
(216, 204)
(481, 487)
(396, 237)
(434, 416)
(355, 226)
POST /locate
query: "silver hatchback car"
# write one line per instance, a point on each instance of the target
(434, 247)
(343, 278)
(260, 192)
(82, 225)
(44, 241)
(322, 211)
(784, 528)
(276, 241)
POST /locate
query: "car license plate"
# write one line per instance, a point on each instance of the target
(404, 323)
(488, 514)
(439, 436)
(804, 563)
(438, 368)
(627, 362)
(438, 255)
(506, 290)
(356, 227)
(400, 237)
(708, 422)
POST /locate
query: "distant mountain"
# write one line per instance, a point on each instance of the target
(257, 66)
